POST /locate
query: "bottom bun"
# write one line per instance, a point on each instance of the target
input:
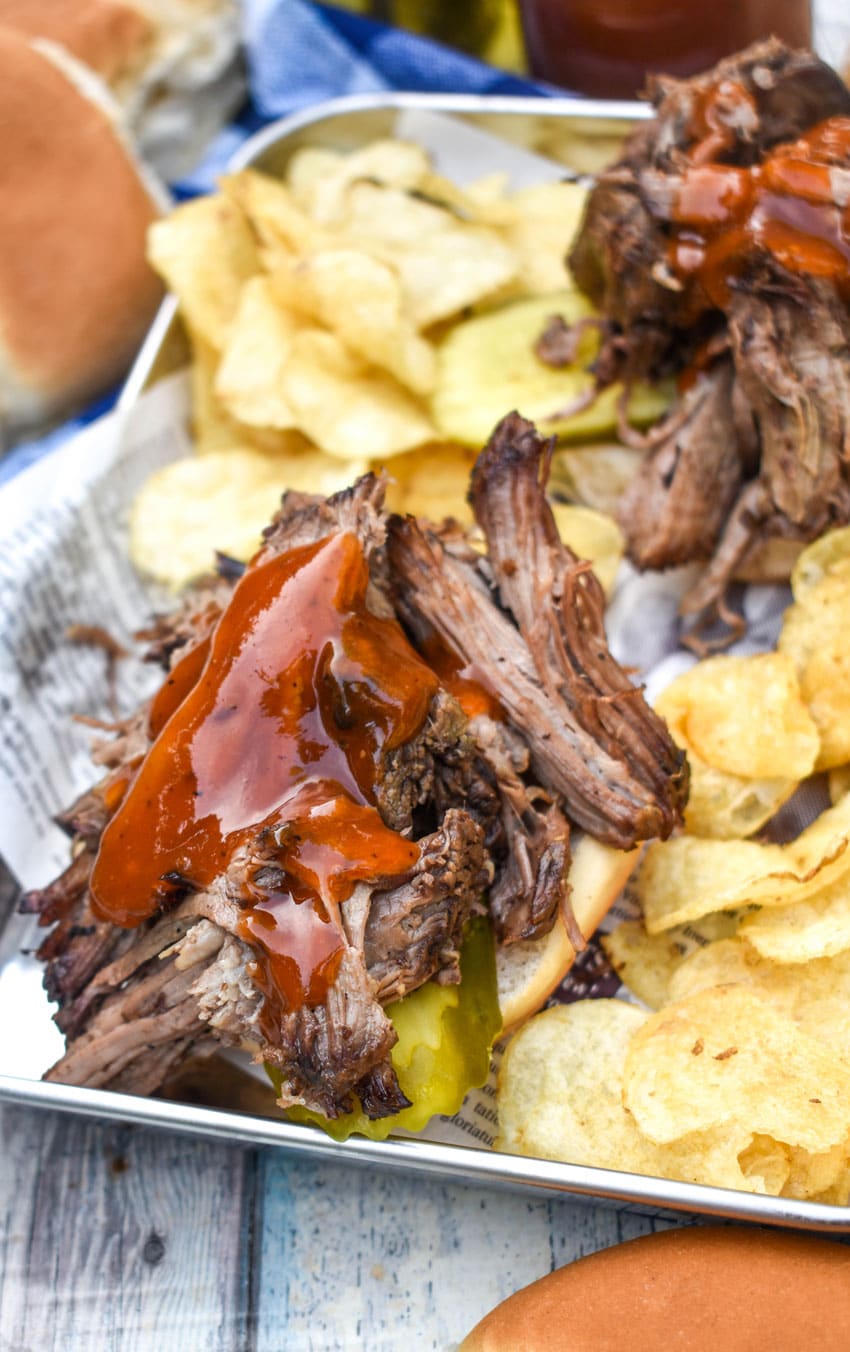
(708, 1289)
(529, 971)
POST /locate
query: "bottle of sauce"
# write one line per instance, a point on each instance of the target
(606, 48)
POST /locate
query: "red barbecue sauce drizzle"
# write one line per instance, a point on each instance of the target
(281, 723)
(115, 788)
(785, 205)
(460, 680)
(182, 677)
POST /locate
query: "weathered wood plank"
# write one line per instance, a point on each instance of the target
(352, 1258)
(116, 1238)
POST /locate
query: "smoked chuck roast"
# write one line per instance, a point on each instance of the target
(717, 249)
(272, 794)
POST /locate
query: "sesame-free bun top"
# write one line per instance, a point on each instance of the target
(111, 37)
(174, 67)
(76, 292)
(704, 1289)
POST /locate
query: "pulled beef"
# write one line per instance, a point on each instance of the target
(413, 932)
(488, 799)
(757, 446)
(535, 636)
(676, 506)
(620, 256)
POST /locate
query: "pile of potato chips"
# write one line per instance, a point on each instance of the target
(362, 313)
(741, 1076)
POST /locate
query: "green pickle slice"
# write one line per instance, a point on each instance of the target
(487, 366)
(445, 1036)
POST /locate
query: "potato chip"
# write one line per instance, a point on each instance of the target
(431, 482)
(728, 961)
(487, 366)
(817, 927)
(595, 475)
(191, 508)
(813, 1175)
(813, 635)
(829, 554)
(560, 1082)
(645, 963)
(816, 994)
(306, 469)
(490, 188)
(249, 380)
(591, 535)
(213, 429)
(839, 1193)
(482, 203)
(280, 226)
(728, 807)
(319, 178)
(793, 1172)
(444, 264)
(560, 1097)
(825, 686)
(222, 501)
(349, 409)
(725, 1056)
(768, 1161)
(360, 299)
(685, 878)
(546, 216)
(744, 715)
(839, 782)
(205, 251)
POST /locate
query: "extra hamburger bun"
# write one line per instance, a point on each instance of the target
(708, 1289)
(174, 67)
(110, 37)
(76, 292)
(528, 972)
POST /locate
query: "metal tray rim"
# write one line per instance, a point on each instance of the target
(453, 1162)
(457, 1163)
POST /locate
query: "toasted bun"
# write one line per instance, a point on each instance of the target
(703, 1289)
(76, 292)
(528, 972)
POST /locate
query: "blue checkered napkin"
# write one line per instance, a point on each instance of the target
(301, 53)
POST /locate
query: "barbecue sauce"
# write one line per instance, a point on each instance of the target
(790, 205)
(460, 679)
(184, 675)
(273, 731)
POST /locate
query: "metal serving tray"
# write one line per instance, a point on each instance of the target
(555, 128)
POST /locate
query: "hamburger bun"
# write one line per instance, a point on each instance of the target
(708, 1289)
(110, 37)
(76, 292)
(173, 66)
(529, 971)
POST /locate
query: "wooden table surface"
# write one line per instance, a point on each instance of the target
(117, 1237)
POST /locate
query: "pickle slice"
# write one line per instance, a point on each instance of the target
(487, 366)
(445, 1036)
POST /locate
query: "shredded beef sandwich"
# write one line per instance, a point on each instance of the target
(375, 732)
